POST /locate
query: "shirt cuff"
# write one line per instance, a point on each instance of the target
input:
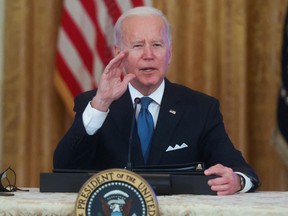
(248, 182)
(93, 119)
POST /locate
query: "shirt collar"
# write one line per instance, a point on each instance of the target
(156, 95)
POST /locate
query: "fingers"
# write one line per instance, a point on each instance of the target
(127, 78)
(218, 169)
(116, 62)
(226, 183)
(112, 85)
(223, 186)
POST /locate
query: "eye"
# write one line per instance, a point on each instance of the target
(157, 44)
(137, 45)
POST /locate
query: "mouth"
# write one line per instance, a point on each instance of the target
(148, 69)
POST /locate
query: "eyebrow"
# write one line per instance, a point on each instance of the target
(142, 41)
(138, 41)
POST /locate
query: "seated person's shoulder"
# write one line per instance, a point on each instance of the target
(191, 96)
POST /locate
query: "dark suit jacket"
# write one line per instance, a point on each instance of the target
(186, 117)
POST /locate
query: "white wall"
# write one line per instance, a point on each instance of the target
(2, 2)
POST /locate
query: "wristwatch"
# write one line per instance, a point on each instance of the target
(242, 182)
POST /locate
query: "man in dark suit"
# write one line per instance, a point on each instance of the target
(188, 125)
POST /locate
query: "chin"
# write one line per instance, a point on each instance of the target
(150, 83)
(151, 80)
(147, 81)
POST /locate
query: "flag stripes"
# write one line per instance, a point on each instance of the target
(85, 43)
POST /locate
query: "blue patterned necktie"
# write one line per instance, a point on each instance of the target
(145, 126)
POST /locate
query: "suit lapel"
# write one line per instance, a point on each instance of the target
(122, 118)
(170, 113)
(121, 113)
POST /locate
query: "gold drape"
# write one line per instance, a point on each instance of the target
(33, 112)
(226, 48)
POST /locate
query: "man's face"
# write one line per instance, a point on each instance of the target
(149, 53)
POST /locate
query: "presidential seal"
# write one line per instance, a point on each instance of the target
(116, 192)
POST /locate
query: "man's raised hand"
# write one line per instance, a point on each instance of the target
(113, 83)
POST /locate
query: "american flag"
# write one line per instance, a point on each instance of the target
(85, 43)
(282, 111)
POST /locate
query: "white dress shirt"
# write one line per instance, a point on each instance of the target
(154, 106)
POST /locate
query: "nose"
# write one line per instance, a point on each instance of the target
(148, 52)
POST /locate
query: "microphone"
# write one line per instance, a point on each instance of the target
(137, 100)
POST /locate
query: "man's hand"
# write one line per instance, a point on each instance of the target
(111, 85)
(227, 183)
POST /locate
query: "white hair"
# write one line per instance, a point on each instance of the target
(140, 11)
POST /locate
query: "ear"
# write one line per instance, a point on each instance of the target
(170, 54)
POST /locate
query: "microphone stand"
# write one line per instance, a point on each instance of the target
(129, 162)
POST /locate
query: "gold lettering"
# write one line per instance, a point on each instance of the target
(94, 183)
(149, 200)
(120, 176)
(144, 190)
(91, 188)
(81, 203)
(84, 195)
(130, 178)
(106, 177)
(88, 190)
(98, 180)
(152, 212)
(151, 206)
